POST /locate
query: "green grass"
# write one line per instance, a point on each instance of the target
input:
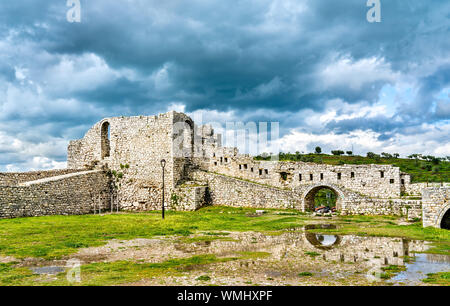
(420, 170)
(253, 255)
(121, 272)
(112, 273)
(203, 239)
(391, 270)
(57, 236)
(203, 278)
(53, 237)
(441, 278)
(10, 276)
(312, 254)
(303, 274)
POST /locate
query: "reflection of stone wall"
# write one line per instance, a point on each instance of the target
(373, 251)
(71, 194)
(435, 204)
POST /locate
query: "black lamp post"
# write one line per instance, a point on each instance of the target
(163, 165)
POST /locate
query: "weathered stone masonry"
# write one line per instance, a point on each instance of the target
(127, 154)
(231, 191)
(15, 178)
(70, 194)
(436, 203)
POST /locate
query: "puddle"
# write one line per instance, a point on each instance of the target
(322, 241)
(330, 259)
(422, 265)
(49, 270)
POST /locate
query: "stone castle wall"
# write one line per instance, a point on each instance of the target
(75, 194)
(189, 197)
(134, 150)
(234, 192)
(15, 178)
(436, 202)
(416, 189)
(198, 171)
(358, 205)
(370, 180)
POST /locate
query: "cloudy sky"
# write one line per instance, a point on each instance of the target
(318, 67)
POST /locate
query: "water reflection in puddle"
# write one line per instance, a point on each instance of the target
(49, 270)
(422, 265)
(322, 241)
(364, 256)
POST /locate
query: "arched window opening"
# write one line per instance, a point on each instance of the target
(105, 139)
(188, 139)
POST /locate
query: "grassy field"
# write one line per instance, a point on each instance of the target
(57, 237)
(441, 278)
(111, 273)
(420, 170)
(53, 237)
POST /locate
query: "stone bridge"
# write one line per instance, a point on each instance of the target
(436, 207)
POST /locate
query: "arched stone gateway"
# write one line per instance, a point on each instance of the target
(443, 219)
(436, 207)
(311, 191)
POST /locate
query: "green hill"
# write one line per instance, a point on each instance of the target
(421, 169)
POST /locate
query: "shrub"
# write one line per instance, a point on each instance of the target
(203, 278)
(301, 274)
(337, 152)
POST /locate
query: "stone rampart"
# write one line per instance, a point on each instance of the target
(235, 192)
(69, 194)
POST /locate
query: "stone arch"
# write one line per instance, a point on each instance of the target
(310, 192)
(443, 214)
(105, 139)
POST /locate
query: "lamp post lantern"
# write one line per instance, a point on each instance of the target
(163, 165)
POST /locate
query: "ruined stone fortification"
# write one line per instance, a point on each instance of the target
(127, 154)
(69, 194)
(436, 203)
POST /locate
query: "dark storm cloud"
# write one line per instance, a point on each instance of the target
(221, 49)
(376, 124)
(242, 56)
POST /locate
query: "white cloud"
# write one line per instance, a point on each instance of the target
(176, 106)
(430, 141)
(161, 77)
(35, 164)
(75, 73)
(346, 72)
(31, 156)
(264, 90)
